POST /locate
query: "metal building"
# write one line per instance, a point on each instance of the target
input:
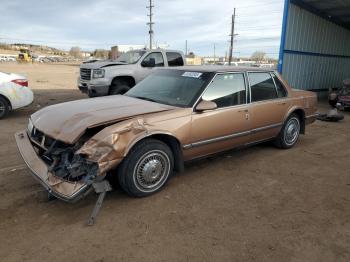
(315, 43)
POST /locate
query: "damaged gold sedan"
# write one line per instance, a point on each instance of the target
(172, 116)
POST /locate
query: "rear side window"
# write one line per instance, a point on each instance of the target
(281, 91)
(262, 87)
(226, 90)
(174, 59)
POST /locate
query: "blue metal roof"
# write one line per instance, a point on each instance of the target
(314, 51)
(336, 11)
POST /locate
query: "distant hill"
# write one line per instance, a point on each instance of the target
(37, 49)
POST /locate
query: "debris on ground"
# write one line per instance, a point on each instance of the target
(333, 115)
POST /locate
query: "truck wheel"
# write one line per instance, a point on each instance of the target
(4, 107)
(289, 133)
(91, 94)
(146, 169)
(118, 88)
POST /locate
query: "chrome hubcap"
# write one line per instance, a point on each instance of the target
(292, 130)
(151, 171)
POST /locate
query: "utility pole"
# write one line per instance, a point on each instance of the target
(232, 36)
(214, 54)
(186, 48)
(150, 23)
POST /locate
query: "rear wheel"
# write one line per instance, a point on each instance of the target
(4, 107)
(146, 169)
(119, 87)
(290, 132)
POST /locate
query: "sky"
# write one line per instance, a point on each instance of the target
(92, 24)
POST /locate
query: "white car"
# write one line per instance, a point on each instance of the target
(14, 93)
(11, 59)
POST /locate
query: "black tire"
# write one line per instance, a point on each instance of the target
(146, 169)
(119, 87)
(4, 107)
(91, 95)
(289, 133)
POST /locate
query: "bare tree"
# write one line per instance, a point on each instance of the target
(75, 51)
(101, 53)
(258, 56)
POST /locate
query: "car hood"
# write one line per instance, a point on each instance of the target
(102, 64)
(345, 98)
(68, 121)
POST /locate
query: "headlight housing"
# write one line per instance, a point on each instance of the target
(98, 73)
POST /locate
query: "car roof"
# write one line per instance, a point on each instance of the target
(220, 69)
(158, 49)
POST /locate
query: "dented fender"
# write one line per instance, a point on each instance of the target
(112, 144)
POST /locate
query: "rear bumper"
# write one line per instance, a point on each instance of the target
(64, 190)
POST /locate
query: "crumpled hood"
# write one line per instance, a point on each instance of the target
(102, 64)
(68, 121)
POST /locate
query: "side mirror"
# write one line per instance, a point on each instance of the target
(150, 63)
(206, 105)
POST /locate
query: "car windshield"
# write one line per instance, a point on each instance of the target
(345, 91)
(172, 87)
(130, 57)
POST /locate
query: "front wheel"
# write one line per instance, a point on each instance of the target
(290, 132)
(119, 87)
(146, 169)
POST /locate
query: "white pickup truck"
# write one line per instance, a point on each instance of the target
(112, 77)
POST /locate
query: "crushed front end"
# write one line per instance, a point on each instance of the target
(60, 169)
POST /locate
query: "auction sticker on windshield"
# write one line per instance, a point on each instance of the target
(192, 74)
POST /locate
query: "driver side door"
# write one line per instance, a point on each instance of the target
(146, 66)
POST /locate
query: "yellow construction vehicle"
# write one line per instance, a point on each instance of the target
(24, 56)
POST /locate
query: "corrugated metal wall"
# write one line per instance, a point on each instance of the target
(315, 51)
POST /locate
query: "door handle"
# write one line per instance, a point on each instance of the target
(243, 110)
(282, 103)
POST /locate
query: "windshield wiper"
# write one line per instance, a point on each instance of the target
(146, 98)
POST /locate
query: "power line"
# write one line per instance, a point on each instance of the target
(264, 4)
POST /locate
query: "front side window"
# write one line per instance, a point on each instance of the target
(158, 59)
(281, 91)
(174, 59)
(226, 90)
(262, 87)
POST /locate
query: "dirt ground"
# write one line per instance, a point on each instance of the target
(255, 204)
(43, 76)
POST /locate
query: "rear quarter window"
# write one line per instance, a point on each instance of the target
(174, 59)
(281, 90)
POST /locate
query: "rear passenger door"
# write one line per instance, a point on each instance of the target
(174, 59)
(268, 105)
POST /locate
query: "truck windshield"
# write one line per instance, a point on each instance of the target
(130, 57)
(172, 87)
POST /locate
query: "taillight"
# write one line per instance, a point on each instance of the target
(21, 82)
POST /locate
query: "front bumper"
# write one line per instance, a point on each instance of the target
(64, 190)
(93, 89)
(344, 103)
